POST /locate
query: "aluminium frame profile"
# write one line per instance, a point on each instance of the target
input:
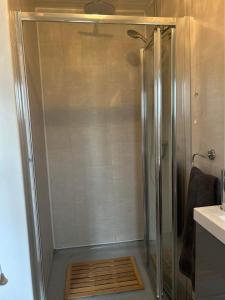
(27, 154)
(100, 19)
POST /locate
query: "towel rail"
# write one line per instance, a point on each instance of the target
(211, 155)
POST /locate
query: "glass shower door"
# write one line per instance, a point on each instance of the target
(167, 160)
(157, 122)
(151, 129)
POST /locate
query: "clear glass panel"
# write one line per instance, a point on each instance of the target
(91, 98)
(160, 245)
(167, 206)
(148, 61)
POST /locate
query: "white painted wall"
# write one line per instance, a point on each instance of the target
(14, 249)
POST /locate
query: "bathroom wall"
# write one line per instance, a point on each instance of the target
(37, 122)
(172, 8)
(207, 75)
(38, 134)
(124, 7)
(23, 5)
(208, 65)
(91, 87)
(14, 250)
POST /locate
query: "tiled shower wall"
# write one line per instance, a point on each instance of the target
(91, 92)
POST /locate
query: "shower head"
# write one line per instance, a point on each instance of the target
(136, 35)
(99, 7)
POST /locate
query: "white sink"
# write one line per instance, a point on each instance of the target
(212, 218)
(222, 218)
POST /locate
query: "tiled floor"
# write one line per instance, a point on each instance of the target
(63, 257)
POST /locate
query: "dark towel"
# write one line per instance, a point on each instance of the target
(203, 190)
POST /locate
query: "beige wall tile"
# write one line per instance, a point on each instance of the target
(91, 84)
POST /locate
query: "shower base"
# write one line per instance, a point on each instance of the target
(63, 258)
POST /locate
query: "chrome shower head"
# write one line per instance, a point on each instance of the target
(99, 7)
(136, 35)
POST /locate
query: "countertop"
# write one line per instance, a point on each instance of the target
(211, 218)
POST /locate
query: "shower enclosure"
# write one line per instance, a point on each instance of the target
(158, 139)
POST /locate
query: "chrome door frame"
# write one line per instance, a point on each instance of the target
(27, 153)
(100, 19)
(174, 159)
(144, 148)
(158, 156)
(24, 121)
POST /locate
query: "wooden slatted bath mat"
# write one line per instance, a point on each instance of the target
(102, 277)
